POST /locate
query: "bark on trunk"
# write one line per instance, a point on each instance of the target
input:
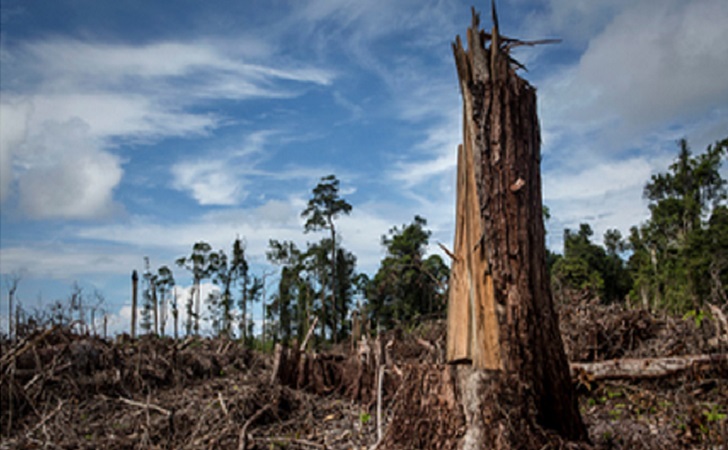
(501, 316)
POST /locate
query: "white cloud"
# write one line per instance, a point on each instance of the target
(209, 182)
(598, 180)
(277, 212)
(224, 176)
(435, 155)
(355, 110)
(616, 209)
(120, 322)
(221, 177)
(359, 30)
(66, 173)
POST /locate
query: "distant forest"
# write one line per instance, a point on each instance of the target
(675, 262)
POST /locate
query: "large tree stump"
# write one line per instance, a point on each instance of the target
(501, 317)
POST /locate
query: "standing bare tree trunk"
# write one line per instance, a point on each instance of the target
(134, 284)
(263, 299)
(153, 288)
(175, 315)
(500, 285)
(334, 311)
(513, 379)
(11, 282)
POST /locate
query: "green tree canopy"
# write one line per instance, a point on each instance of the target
(675, 252)
(587, 267)
(407, 284)
(323, 208)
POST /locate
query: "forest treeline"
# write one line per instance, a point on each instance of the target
(318, 284)
(675, 262)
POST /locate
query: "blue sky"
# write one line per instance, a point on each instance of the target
(137, 128)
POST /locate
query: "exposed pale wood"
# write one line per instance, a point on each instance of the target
(48, 417)
(458, 315)
(380, 384)
(640, 368)
(447, 251)
(308, 335)
(279, 441)
(277, 356)
(472, 323)
(243, 437)
(147, 406)
(721, 329)
(221, 400)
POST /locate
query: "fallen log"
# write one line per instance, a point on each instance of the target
(645, 368)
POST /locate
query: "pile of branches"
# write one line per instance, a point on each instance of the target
(61, 389)
(56, 364)
(79, 391)
(593, 332)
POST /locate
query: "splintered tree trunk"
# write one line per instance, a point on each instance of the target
(501, 317)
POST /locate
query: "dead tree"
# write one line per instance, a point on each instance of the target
(501, 317)
(510, 385)
(11, 283)
(134, 285)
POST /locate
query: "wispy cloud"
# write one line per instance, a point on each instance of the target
(222, 176)
(130, 116)
(67, 64)
(68, 261)
(67, 102)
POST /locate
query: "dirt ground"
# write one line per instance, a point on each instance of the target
(63, 390)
